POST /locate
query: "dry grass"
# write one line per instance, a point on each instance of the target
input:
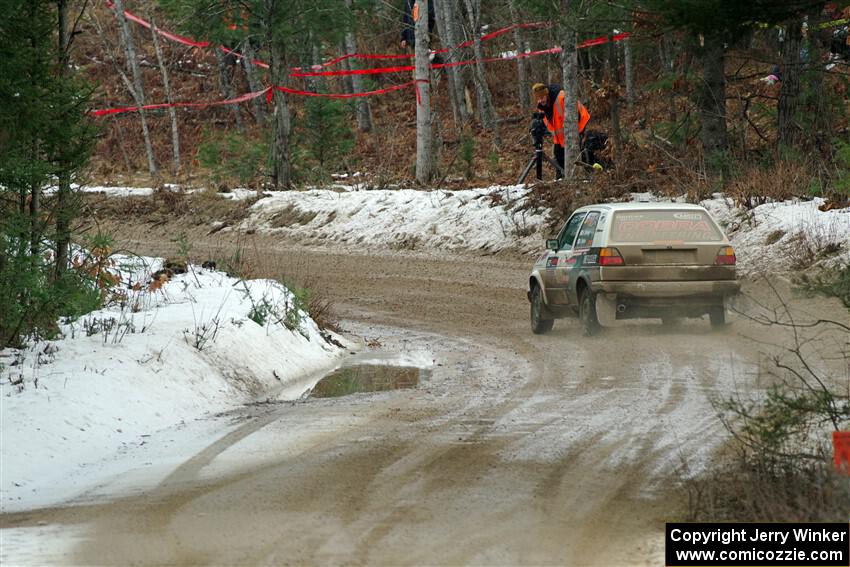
(195, 209)
(744, 490)
(246, 260)
(291, 216)
(782, 181)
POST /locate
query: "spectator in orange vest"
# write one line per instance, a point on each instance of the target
(550, 99)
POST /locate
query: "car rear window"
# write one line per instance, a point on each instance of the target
(664, 226)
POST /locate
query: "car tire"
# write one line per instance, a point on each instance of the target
(539, 323)
(587, 313)
(717, 316)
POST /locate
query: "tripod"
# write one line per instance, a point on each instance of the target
(537, 159)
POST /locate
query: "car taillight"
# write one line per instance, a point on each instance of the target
(725, 257)
(610, 257)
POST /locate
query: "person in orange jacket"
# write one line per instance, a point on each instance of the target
(550, 99)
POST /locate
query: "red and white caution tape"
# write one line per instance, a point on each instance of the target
(316, 69)
(268, 92)
(405, 68)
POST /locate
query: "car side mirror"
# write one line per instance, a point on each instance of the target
(552, 244)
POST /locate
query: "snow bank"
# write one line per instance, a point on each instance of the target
(400, 219)
(776, 237)
(203, 342)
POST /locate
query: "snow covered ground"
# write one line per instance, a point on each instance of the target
(401, 219)
(156, 357)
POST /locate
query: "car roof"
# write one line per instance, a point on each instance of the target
(646, 206)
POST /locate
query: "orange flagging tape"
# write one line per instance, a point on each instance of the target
(841, 447)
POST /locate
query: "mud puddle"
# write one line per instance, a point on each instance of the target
(367, 378)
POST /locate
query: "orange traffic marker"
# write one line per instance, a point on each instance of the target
(841, 448)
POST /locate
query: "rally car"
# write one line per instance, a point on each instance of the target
(633, 260)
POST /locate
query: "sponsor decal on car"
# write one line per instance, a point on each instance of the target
(688, 230)
(687, 216)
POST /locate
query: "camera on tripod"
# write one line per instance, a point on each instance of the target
(538, 128)
(538, 132)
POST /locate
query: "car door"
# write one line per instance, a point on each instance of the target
(559, 262)
(584, 256)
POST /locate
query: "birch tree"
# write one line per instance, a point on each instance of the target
(455, 94)
(424, 140)
(169, 95)
(486, 111)
(628, 63)
(137, 90)
(364, 111)
(522, 73)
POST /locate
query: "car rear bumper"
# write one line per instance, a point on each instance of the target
(678, 289)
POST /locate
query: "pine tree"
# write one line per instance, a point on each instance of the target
(45, 135)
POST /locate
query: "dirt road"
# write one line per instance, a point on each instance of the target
(518, 449)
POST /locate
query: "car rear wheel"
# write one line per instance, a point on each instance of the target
(587, 313)
(717, 316)
(539, 323)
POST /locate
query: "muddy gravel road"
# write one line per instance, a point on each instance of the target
(515, 449)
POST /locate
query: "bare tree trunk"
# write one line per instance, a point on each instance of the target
(169, 96)
(282, 168)
(35, 214)
(789, 93)
(569, 64)
(364, 111)
(613, 91)
(347, 84)
(451, 15)
(138, 91)
(630, 82)
(486, 111)
(424, 142)
(305, 60)
(63, 197)
(451, 72)
(254, 82)
(316, 60)
(226, 91)
(713, 104)
(522, 73)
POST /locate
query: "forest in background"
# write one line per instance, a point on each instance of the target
(657, 96)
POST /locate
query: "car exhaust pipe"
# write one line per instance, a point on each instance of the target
(621, 308)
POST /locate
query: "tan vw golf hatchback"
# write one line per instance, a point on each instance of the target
(633, 260)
